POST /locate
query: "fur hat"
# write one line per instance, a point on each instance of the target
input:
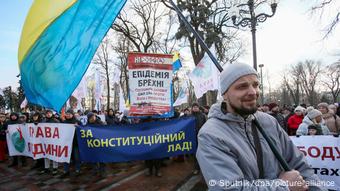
(323, 104)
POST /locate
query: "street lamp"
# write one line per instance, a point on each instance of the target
(244, 20)
(262, 93)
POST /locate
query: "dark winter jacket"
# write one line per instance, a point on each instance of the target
(111, 120)
(76, 122)
(51, 120)
(200, 120)
(279, 117)
(3, 128)
(12, 122)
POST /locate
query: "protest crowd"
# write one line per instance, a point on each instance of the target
(295, 120)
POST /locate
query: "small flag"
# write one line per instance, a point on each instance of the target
(23, 104)
(176, 65)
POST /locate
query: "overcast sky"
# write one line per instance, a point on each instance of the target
(292, 35)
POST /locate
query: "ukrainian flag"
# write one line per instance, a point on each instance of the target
(57, 44)
(176, 65)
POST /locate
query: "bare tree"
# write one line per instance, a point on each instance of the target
(322, 6)
(332, 79)
(310, 72)
(122, 47)
(292, 86)
(140, 24)
(212, 21)
(102, 58)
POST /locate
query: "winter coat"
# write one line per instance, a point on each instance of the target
(200, 119)
(294, 121)
(12, 122)
(3, 128)
(50, 120)
(332, 121)
(77, 122)
(303, 127)
(226, 152)
(279, 117)
(111, 120)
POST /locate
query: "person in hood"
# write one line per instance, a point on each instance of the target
(232, 153)
(313, 117)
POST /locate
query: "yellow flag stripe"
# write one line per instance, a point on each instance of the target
(42, 13)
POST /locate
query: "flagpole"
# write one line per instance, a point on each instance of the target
(280, 158)
(198, 37)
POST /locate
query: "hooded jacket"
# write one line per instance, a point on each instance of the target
(303, 127)
(226, 153)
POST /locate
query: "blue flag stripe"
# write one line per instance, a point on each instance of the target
(56, 63)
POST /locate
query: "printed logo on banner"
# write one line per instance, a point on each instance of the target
(18, 140)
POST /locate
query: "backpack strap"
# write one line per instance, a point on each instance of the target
(258, 149)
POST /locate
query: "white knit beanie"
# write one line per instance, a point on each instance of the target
(299, 108)
(232, 73)
(313, 114)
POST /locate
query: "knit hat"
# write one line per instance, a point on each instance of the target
(232, 73)
(323, 104)
(313, 114)
(299, 108)
(272, 105)
(195, 104)
(309, 108)
(313, 126)
(70, 111)
(90, 114)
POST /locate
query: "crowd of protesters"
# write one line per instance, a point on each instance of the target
(112, 117)
(299, 120)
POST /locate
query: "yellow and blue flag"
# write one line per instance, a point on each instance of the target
(176, 65)
(57, 44)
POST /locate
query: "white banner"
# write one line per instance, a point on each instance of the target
(45, 140)
(150, 79)
(182, 95)
(323, 154)
(122, 106)
(23, 104)
(81, 91)
(205, 76)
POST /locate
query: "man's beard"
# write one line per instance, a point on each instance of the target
(243, 111)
